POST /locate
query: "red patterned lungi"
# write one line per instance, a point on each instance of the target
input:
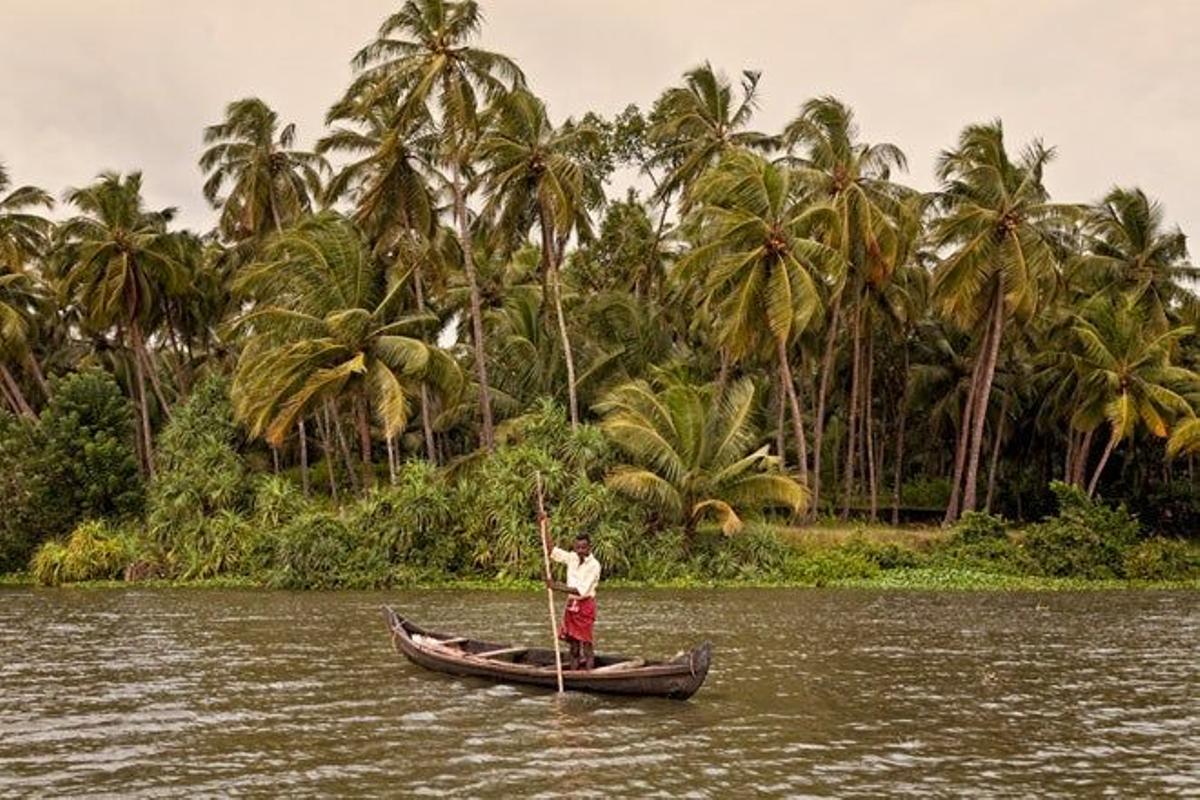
(578, 619)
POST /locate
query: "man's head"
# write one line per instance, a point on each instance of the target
(583, 545)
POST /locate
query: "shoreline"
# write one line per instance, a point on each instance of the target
(911, 579)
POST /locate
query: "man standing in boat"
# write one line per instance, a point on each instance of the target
(583, 573)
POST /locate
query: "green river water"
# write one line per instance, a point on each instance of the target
(829, 693)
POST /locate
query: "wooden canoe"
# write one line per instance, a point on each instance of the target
(677, 678)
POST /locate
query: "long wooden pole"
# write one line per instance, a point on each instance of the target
(543, 523)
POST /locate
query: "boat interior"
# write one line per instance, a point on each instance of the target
(530, 656)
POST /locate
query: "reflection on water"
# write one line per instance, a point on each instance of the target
(828, 693)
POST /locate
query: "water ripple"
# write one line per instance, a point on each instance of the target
(853, 694)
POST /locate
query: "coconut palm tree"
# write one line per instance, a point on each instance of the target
(531, 177)
(117, 260)
(328, 325)
(20, 299)
(423, 53)
(24, 236)
(876, 221)
(1130, 252)
(699, 122)
(1125, 377)
(691, 453)
(23, 233)
(997, 229)
(270, 183)
(390, 177)
(390, 181)
(760, 264)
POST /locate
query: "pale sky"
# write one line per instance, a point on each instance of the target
(128, 84)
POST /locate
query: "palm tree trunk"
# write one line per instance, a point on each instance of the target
(364, 439)
(9, 400)
(344, 447)
(487, 434)
(275, 459)
(869, 411)
(658, 231)
(1081, 459)
(274, 210)
(35, 370)
(182, 367)
(135, 331)
(327, 450)
(780, 422)
(852, 426)
(155, 384)
(899, 466)
(822, 394)
(964, 427)
(391, 451)
(1113, 438)
(302, 433)
(15, 396)
(1069, 460)
(785, 375)
(426, 414)
(997, 436)
(985, 393)
(550, 262)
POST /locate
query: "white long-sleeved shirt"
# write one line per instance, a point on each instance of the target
(582, 575)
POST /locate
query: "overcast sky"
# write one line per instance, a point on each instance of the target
(129, 84)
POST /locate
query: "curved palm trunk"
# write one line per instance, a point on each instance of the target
(35, 370)
(785, 375)
(14, 394)
(822, 394)
(985, 393)
(550, 264)
(964, 427)
(1081, 458)
(487, 434)
(9, 400)
(155, 384)
(1113, 438)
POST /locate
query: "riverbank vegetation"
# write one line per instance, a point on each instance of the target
(353, 378)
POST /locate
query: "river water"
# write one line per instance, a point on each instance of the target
(813, 693)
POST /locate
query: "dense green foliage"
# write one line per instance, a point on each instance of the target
(476, 521)
(76, 462)
(355, 377)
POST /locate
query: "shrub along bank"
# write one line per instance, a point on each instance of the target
(207, 517)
